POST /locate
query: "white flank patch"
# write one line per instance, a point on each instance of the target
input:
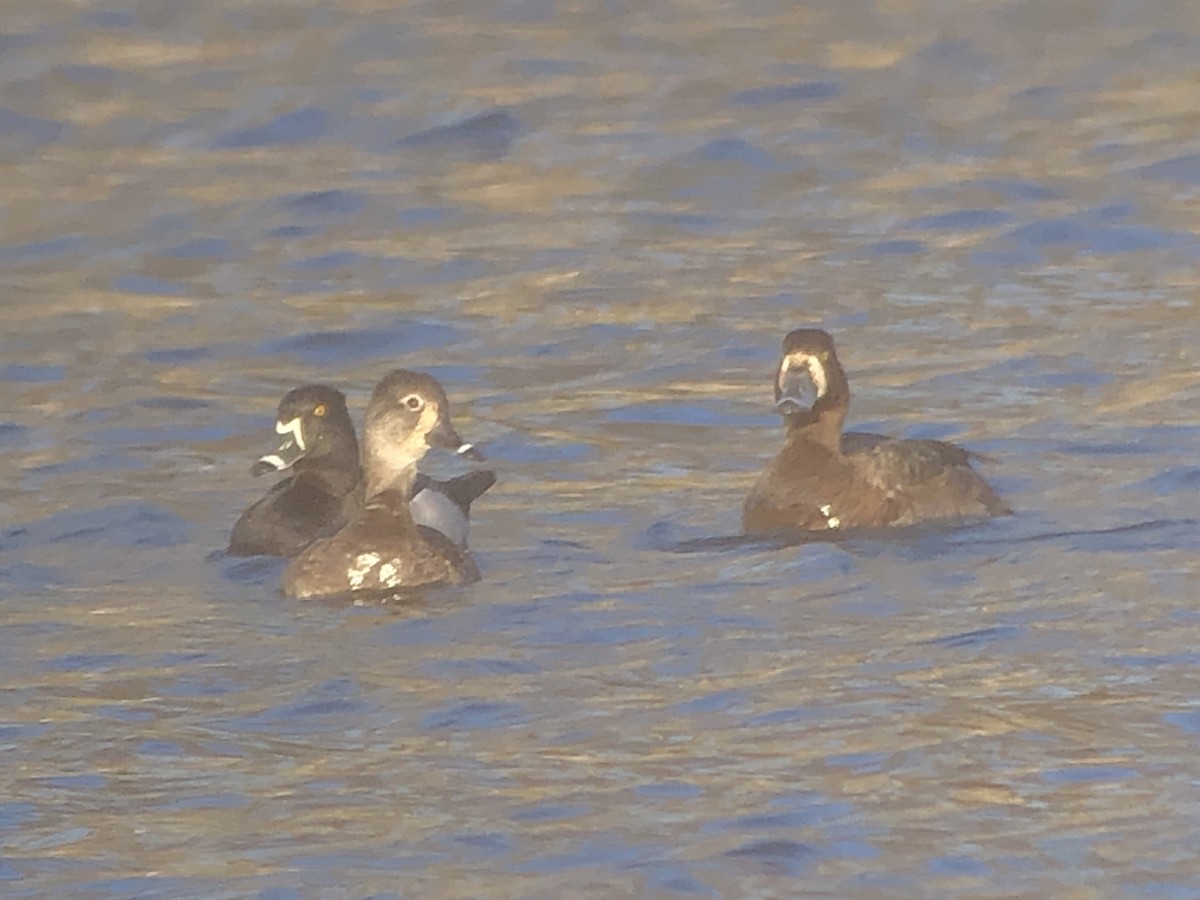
(831, 521)
(363, 565)
(389, 575)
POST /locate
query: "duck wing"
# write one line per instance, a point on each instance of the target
(382, 551)
(457, 561)
(462, 490)
(929, 479)
(808, 487)
(890, 462)
(291, 515)
(861, 441)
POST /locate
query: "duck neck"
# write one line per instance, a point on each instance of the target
(387, 471)
(341, 471)
(828, 428)
(821, 425)
(335, 456)
(341, 477)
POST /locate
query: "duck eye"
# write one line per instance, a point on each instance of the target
(320, 410)
(413, 402)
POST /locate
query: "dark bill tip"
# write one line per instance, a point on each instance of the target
(789, 406)
(443, 435)
(269, 463)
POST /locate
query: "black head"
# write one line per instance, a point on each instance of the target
(810, 360)
(313, 424)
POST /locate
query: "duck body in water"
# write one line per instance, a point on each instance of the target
(382, 550)
(823, 479)
(322, 490)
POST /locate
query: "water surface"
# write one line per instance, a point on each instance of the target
(594, 224)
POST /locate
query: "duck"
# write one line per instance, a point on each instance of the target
(383, 550)
(824, 479)
(320, 449)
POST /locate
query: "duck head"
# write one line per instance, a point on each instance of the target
(313, 424)
(809, 364)
(408, 414)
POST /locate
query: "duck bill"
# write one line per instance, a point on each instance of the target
(791, 390)
(444, 435)
(292, 448)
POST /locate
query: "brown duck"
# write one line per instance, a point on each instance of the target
(823, 479)
(323, 489)
(382, 550)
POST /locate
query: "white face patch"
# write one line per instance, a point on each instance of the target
(363, 564)
(293, 428)
(796, 371)
(814, 366)
(428, 420)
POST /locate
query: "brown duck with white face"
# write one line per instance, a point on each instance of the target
(823, 479)
(382, 549)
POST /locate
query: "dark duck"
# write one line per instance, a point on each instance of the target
(823, 479)
(382, 550)
(319, 450)
(317, 445)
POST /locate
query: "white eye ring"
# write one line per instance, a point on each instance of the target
(414, 402)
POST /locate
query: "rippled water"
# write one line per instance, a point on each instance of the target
(594, 223)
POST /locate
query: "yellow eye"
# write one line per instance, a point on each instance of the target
(320, 410)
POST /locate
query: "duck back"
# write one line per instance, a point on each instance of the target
(929, 480)
(381, 551)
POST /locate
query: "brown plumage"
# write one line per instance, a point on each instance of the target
(382, 550)
(323, 490)
(823, 480)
